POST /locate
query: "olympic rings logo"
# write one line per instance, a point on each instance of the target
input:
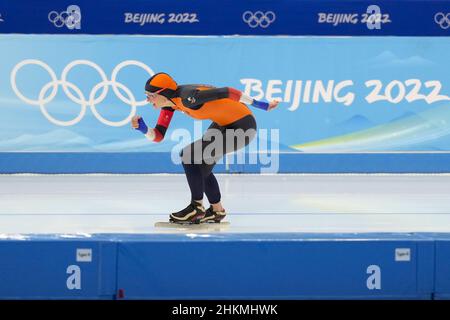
(71, 18)
(442, 19)
(79, 98)
(258, 19)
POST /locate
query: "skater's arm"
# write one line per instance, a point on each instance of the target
(239, 96)
(198, 97)
(165, 116)
(155, 134)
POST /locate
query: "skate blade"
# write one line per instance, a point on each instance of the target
(187, 222)
(190, 226)
(216, 221)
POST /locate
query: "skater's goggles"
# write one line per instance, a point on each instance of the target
(152, 95)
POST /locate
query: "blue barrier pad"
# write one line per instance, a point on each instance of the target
(226, 266)
(276, 266)
(57, 269)
(442, 266)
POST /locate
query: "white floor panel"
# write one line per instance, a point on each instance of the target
(255, 203)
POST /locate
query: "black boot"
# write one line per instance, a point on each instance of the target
(213, 216)
(193, 213)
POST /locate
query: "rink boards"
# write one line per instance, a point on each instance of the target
(226, 266)
(161, 162)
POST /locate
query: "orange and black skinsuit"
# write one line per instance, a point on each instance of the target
(225, 107)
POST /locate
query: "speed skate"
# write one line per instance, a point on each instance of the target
(192, 225)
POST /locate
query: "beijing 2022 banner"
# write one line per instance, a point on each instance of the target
(78, 93)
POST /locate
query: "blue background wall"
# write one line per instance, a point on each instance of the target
(382, 97)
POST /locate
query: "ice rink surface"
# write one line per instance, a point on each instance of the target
(86, 204)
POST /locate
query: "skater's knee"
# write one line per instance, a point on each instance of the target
(206, 170)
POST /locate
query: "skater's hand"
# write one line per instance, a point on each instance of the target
(134, 122)
(273, 104)
(138, 123)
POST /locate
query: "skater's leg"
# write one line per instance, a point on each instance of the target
(195, 211)
(240, 134)
(195, 181)
(198, 168)
(191, 157)
(212, 191)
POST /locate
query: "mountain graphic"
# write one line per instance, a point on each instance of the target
(55, 140)
(141, 144)
(405, 115)
(63, 140)
(355, 123)
(389, 59)
(429, 131)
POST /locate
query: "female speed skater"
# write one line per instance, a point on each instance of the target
(227, 109)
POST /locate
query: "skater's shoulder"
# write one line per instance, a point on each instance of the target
(193, 87)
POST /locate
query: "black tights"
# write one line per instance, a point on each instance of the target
(198, 164)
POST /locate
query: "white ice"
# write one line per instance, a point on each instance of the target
(85, 204)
